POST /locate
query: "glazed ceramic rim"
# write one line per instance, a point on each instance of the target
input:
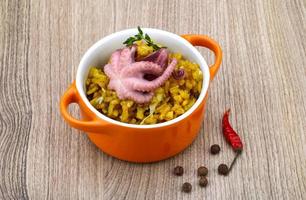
(203, 65)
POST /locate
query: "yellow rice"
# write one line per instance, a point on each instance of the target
(170, 100)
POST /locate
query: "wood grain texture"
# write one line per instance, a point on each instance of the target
(262, 79)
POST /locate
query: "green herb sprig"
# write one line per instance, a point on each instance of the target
(140, 36)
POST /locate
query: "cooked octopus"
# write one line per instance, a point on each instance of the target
(127, 77)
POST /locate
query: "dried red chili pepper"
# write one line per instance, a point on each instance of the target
(232, 137)
(230, 134)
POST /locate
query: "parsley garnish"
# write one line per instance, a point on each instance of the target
(130, 41)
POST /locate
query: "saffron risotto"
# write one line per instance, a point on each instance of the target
(171, 100)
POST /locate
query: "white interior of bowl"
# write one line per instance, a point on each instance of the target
(100, 52)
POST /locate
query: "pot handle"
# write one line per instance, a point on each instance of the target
(205, 41)
(71, 96)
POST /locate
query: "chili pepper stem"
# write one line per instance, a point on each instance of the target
(234, 161)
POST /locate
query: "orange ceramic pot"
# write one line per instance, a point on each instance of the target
(140, 143)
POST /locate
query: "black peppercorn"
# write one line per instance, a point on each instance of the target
(203, 182)
(186, 187)
(223, 169)
(178, 170)
(214, 149)
(202, 171)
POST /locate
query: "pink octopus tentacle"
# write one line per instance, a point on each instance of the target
(133, 52)
(109, 71)
(127, 57)
(115, 57)
(159, 57)
(162, 58)
(144, 85)
(143, 68)
(111, 67)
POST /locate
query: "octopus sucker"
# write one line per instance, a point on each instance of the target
(127, 76)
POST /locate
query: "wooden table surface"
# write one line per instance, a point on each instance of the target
(262, 79)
